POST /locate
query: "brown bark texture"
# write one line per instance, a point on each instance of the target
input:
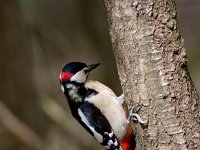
(152, 66)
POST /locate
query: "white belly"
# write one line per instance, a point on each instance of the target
(107, 102)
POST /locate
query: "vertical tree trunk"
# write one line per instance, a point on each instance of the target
(152, 66)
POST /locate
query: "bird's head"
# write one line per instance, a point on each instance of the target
(76, 71)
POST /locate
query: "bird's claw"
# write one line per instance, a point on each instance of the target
(137, 117)
(134, 116)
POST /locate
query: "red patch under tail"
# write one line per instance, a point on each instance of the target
(128, 142)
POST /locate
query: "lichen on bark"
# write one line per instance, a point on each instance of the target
(152, 66)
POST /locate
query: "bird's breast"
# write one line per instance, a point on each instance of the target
(107, 102)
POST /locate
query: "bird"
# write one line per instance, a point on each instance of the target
(96, 107)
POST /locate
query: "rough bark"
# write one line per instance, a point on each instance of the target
(152, 66)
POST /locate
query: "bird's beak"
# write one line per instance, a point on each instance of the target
(91, 67)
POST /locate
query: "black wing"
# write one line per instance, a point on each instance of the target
(94, 121)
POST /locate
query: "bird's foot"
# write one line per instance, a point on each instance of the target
(134, 116)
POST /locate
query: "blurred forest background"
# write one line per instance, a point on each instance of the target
(38, 37)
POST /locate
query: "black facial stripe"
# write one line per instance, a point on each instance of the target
(84, 92)
(91, 92)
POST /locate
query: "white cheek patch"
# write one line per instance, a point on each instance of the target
(79, 77)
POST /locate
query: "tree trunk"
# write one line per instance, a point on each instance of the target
(152, 66)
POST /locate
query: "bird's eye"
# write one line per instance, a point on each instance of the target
(86, 71)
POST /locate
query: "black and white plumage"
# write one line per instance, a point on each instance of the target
(94, 105)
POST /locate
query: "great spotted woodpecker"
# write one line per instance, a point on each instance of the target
(96, 107)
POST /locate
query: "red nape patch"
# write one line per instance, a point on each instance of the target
(65, 76)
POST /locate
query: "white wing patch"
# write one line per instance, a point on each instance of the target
(97, 136)
(115, 143)
(110, 134)
(99, 87)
